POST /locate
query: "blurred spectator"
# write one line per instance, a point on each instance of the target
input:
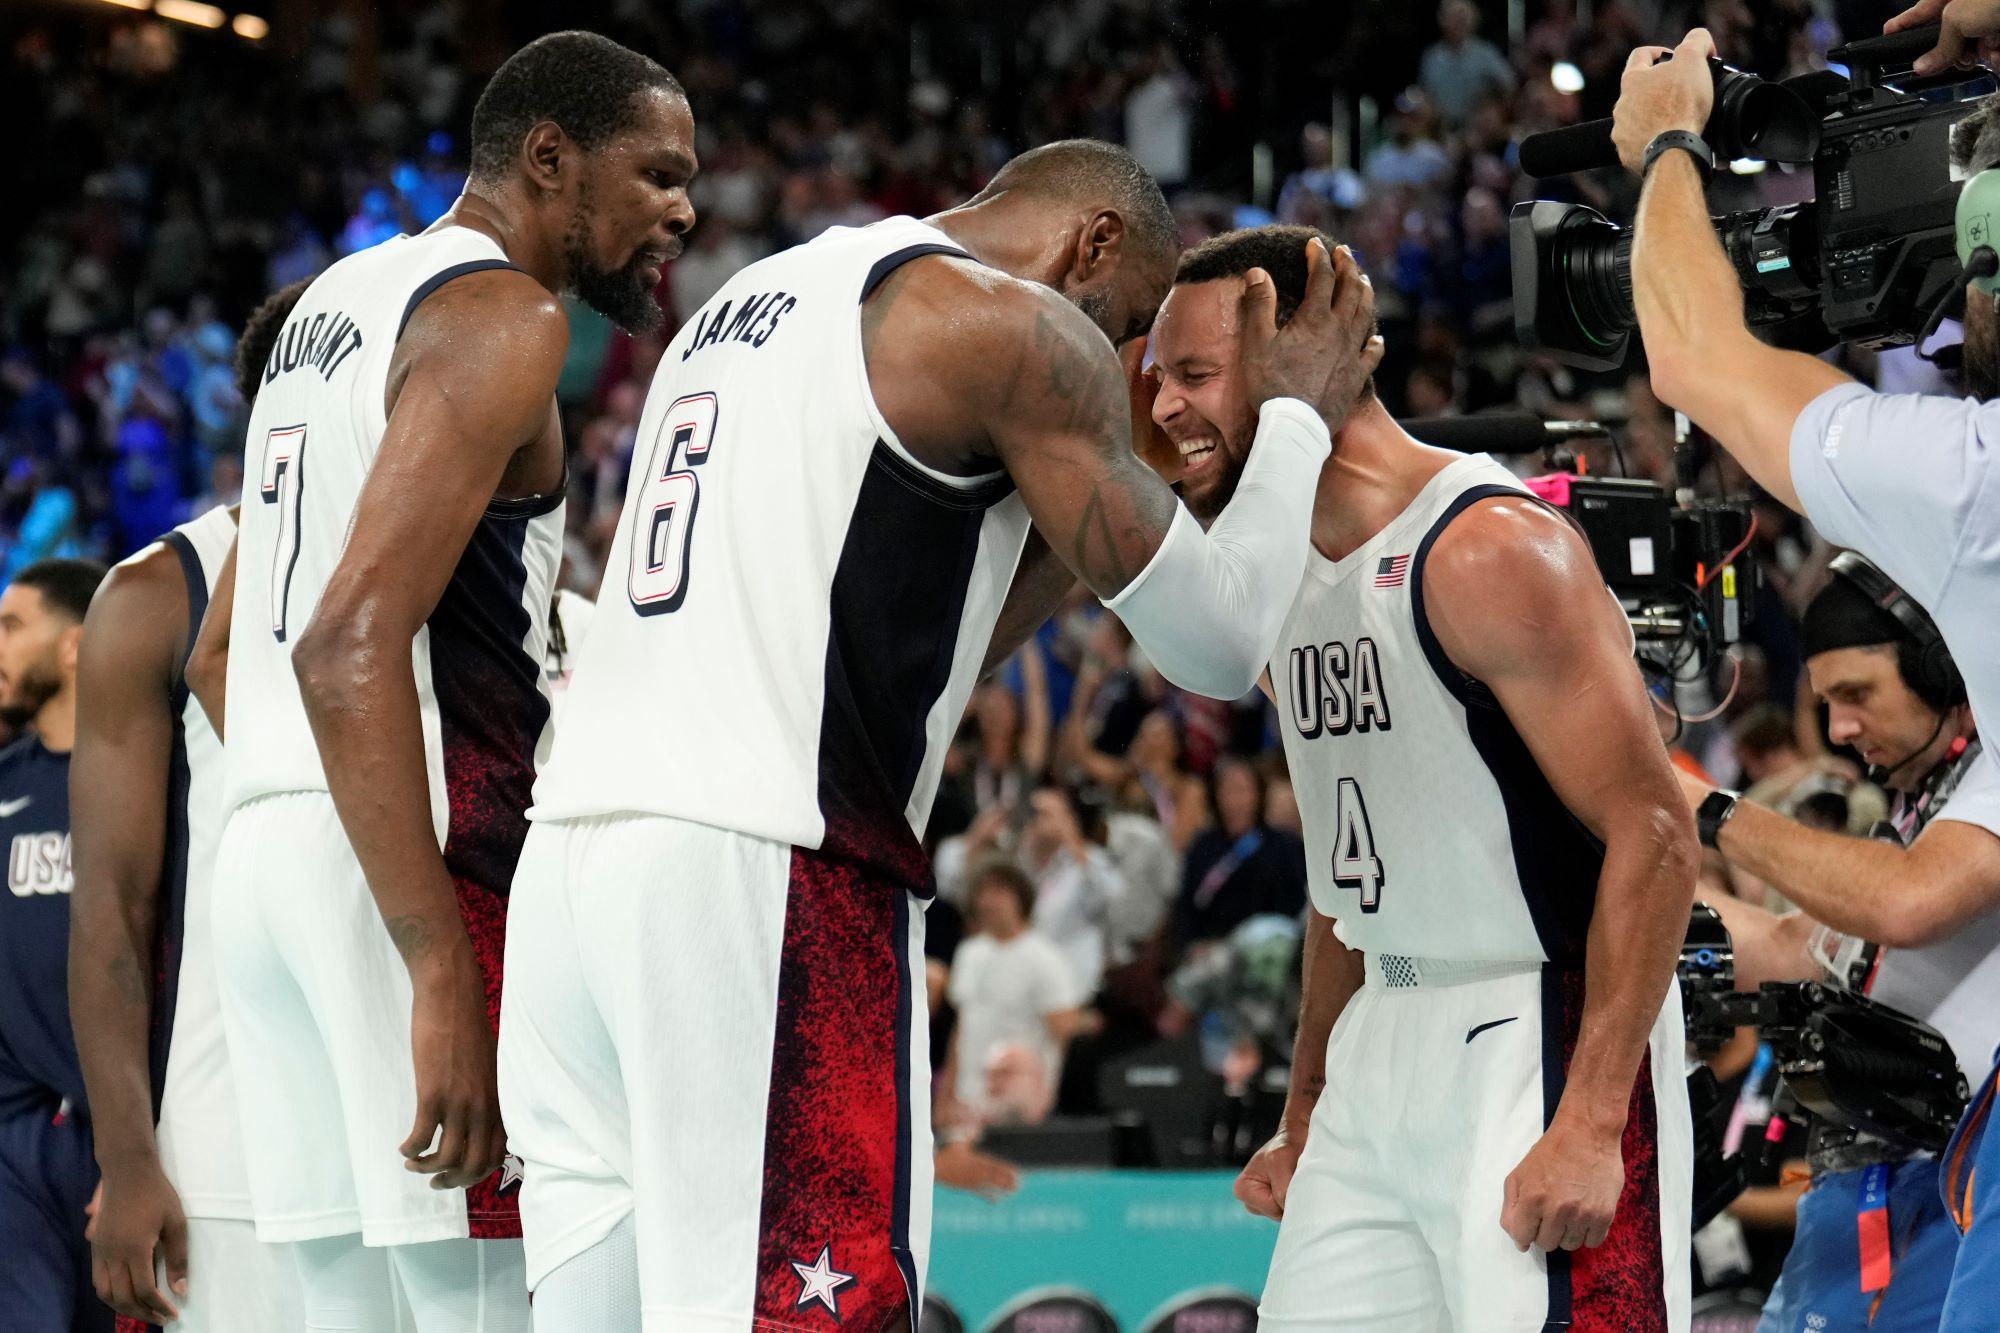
(1324, 190)
(1462, 69)
(1412, 157)
(1159, 124)
(1240, 866)
(1017, 1004)
(1076, 881)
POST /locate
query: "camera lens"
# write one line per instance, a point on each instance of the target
(1596, 274)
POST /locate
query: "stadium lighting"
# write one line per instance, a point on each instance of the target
(131, 4)
(1747, 166)
(250, 28)
(190, 11)
(1566, 77)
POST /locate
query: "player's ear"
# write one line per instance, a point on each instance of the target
(1099, 244)
(544, 154)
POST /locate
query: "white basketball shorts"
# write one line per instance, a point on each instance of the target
(316, 1006)
(724, 1038)
(1436, 1088)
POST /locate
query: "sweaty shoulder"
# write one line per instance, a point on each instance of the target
(494, 312)
(952, 346)
(1510, 579)
(140, 611)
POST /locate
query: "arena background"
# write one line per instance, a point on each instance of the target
(183, 160)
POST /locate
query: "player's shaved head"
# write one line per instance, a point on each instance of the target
(1088, 173)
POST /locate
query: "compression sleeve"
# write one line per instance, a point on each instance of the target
(1208, 606)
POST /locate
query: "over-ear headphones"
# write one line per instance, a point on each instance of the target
(1975, 221)
(1922, 657)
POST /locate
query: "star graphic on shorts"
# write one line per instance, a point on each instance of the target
(510, 1174)
(819, 1280)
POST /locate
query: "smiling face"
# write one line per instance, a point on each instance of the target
(630, 210)
(1202, 404)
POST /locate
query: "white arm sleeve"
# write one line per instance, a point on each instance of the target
(1208, 606)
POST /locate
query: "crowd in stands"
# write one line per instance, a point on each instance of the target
(1124, 858)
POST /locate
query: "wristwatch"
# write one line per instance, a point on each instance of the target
(1693, 144)
(1713, 812)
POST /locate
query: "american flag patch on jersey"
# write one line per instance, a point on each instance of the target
(1390, 571)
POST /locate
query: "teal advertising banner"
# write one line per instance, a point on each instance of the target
(1135, 1240)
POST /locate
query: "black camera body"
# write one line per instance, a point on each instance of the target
(1864, 262)
(1851, 1062)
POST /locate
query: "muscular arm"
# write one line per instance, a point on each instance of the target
(1901, 897)
(482, 357)
(1704, 359)
(969, 365)
(1517, 602)
(126, 668)
(208, 663)
(1041, 581)
(1330, 976)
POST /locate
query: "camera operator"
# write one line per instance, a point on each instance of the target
(1913, 922)
(1906, 480)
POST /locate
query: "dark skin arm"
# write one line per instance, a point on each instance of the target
(208, 664)
(1042, 580)
(1517, 602)
(972, 367)
(126, 669)
(472, 390)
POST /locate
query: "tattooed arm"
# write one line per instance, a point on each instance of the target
(127, 667)
(970, 366)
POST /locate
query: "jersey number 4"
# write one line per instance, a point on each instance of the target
(283, 484)
(668, 498)
(1355, 865)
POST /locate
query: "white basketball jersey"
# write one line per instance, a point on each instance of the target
(1430, 832)
(200, 1133)
(314, 432)
(794, 609)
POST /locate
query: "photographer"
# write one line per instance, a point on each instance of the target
(1906, 480)
(1909, 920)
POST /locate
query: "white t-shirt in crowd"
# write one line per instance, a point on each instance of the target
(1908, 481)
(1072, 906)
(1004, 991)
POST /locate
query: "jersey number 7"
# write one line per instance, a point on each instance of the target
(283, 484)
(669, 495)
(1355, 865)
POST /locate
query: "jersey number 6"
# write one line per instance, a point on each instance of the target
(668, 498)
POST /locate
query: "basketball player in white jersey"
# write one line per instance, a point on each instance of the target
(713, 1058)
(1496, 1136)
(172, 1236)
(385, 696)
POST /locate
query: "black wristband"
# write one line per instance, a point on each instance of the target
(1692, 144)
(1713, 812)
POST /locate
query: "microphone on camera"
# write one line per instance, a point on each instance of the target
(1582, 147)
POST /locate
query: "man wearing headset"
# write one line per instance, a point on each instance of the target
(1909, 481)
(1911, 919)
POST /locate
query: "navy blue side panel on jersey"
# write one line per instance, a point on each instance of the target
(1556, 858)
(491, 710)
(38, 1063)
(439, 279)
(172, 917)
(898, 593)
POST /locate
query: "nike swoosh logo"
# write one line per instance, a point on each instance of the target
(1498, 1022)
(8, 809)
